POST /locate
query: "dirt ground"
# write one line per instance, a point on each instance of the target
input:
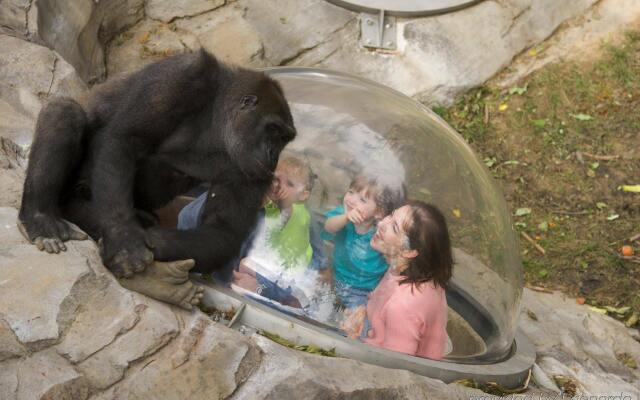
(563, 144)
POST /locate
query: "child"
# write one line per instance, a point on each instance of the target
(287, 219)
(283, 247)
(358, 268)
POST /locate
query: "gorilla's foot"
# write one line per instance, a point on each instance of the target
(168, 282)
(49, 233)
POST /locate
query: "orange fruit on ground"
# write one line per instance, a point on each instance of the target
(627, 251)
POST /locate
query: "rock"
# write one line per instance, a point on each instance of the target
(11, 173)
(289, 374)
(579, 38)
(145, 43)
(206, 361)
(13, 17)
(228, 35)
(78, 30)
(440, 57)
(168, 10)
(9, 379)
(36, 303)
(108, 314)
(157, 326)
(573, 341)
(46, 375)
(9, 345)
(23, 90)
(290, 27)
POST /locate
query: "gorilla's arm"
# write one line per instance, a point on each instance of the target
(148, 110)
(229, 215)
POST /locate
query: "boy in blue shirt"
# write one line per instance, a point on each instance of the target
(357, 268)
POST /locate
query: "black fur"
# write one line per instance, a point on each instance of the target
(141, 141)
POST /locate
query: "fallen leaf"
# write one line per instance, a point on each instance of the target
(518, 90)
(598, 309)
(543, 226)
(633, 319)
(490, 161)
(532, 315)
(594, 165)
(539, 123)
(503, 107)
(582, 117)
(580, 300)
(613, 217)
(533, 52)
(601, 205)
(511, 162)
(145, 38)
(456, 212)
(543, 273)
(522, 211)
(630, 188)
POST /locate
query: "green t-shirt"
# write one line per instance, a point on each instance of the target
(291, 241)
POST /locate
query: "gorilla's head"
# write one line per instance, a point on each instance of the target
(259, 123)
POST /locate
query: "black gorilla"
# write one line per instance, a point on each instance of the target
(142, 140)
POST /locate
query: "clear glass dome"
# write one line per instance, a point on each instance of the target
(348, 127)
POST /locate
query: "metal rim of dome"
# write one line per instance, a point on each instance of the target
(405, 8)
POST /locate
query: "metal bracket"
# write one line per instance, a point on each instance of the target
(378, 31)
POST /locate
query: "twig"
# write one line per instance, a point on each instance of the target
(571, 212)
(634, 237)
(486, 114)
(533, 242)
(540, 289)
(601, 158)
(633, 259)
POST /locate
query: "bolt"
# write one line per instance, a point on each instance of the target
(388, 26)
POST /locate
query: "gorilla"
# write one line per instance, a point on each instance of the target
(138, 142)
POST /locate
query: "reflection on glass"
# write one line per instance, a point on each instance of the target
(335, 246)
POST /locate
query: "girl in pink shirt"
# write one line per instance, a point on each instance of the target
(407, 311)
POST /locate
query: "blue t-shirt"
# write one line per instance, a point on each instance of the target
(355, 263)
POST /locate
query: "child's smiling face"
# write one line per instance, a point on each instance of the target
(288, 188)
(363, 202)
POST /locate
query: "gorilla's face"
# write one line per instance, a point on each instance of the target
(260, 127)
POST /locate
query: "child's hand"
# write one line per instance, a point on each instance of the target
(355, 216)
(354, 321)
(245, 281)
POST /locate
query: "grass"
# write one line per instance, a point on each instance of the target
(538, 139)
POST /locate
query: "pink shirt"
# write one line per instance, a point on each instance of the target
(406, 320)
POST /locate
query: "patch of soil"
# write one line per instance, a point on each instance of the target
(563, 142)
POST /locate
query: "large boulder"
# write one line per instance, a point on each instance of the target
(598, 353)
(29, 75)
(68, 330)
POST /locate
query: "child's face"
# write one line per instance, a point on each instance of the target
(288, 188)
(365, 204)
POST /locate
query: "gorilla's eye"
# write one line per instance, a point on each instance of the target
(248, 100)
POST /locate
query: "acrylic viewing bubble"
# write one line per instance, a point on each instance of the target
(291, 280)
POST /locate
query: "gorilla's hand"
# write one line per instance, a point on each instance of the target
(48, 232)
(124, 250)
